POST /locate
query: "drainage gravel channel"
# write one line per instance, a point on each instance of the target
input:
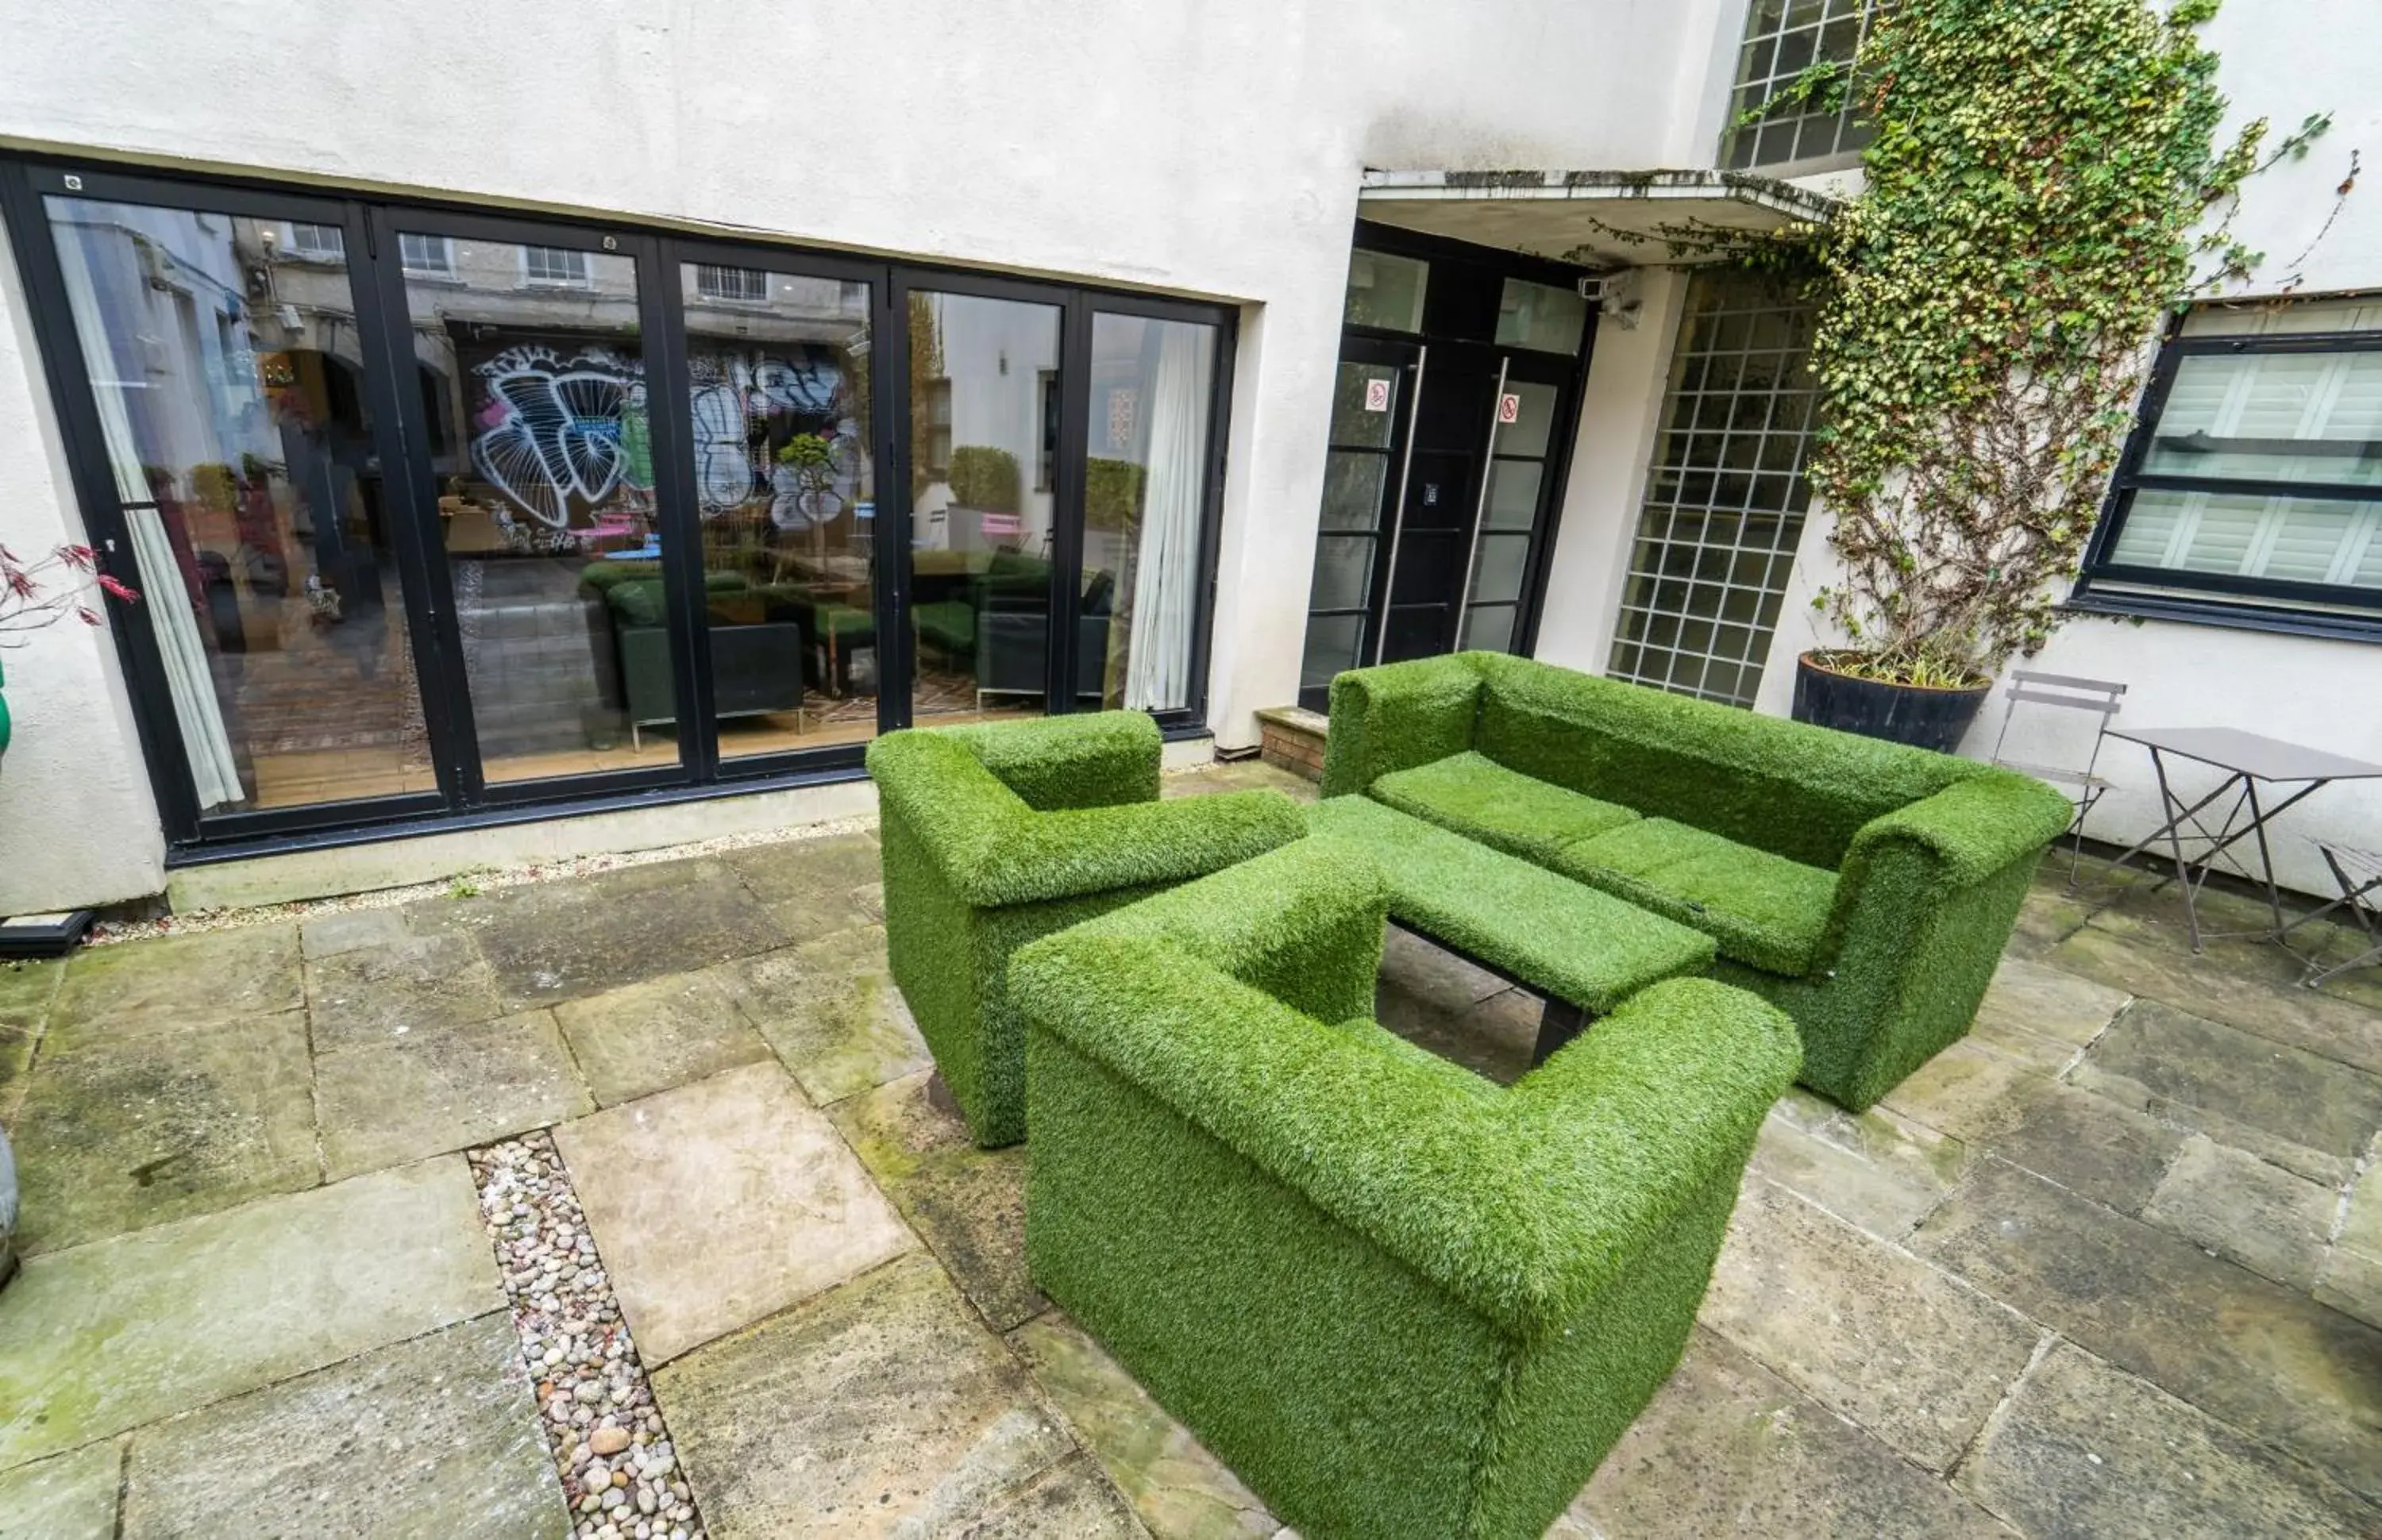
(594, 1401)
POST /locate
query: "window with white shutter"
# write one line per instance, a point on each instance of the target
(2252, 488)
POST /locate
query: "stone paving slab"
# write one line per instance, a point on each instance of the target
(2049, 1002)
(2273, 1362)
(432, 1438)
(444, 1088)
(1968, 1090)
(1072, 1499)
(366, 995)
(882, 1407)
(721, 1203)
(2351, 1277)
(811, 886)
(1180, 1490)
(2104, 1150)
(1865, 1328)
(345, 929)
(1494, 1038)
(109, 1335)
(968, 1204)
(1728, 1447)
(2238, 982)
(831, 1011)
(648, 1037)
(550, 942)
(2299, 1109)
(173, 984)
(2235, 1204)
(1876, 1169)
(121, 1131)
(2087, 1449)
(67, 1497)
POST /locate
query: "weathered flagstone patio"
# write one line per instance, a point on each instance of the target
(2113, 1265)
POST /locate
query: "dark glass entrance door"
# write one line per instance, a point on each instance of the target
(1434, 525)
(1456, 396)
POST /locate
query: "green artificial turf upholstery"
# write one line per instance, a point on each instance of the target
(1763, 910)
(995, 835)
(1397, 1299)
(1559, 936)
(1476, 797)
(1865, 886)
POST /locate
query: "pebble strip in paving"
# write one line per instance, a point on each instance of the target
(594, 1401)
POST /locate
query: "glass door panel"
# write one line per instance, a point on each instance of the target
(1510, 504)
(224, 359)
(984, 451)
(531, 373)
(786, 488)
(1144, 502)
(1369, 415)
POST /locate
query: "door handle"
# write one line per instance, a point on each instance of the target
(1398, 509)
(1481, 504)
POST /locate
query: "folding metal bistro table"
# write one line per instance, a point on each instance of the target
(2249, 761)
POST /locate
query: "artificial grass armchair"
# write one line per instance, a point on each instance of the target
(1866, 887)
(993, 835)
(1397, 1299)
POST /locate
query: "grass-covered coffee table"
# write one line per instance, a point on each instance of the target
(1585, 951)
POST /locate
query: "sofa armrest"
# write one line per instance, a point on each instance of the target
(1525, 1204)
(1397, 716)
(1972, 828)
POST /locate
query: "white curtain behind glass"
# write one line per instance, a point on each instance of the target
(213, 770)
(1158, 664)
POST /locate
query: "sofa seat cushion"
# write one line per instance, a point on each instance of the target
(1765, 910)
(1478, 797)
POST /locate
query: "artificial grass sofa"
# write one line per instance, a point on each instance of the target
(1865, 888)
(993, 835)
(1397, 1299)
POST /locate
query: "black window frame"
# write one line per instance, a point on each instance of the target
(2105, 586)
(370, 220)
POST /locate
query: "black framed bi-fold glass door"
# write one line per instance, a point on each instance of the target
(440, 515)
(225, 400)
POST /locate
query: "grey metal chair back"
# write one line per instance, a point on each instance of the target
(2100, 697)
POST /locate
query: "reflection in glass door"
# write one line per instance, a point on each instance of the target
(984, 457)
(1145, 505)
(224, 361)
(785, 488)
(1518, 439)
(531, 371)
(1364, 465)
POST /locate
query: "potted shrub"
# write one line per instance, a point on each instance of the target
(2033, 201)
(34, 594)
(985, 482)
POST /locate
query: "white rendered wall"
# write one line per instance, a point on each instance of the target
(1209, 149)
(77, 825)
(2280, 62)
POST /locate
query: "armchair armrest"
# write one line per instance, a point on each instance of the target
(1083, 850)
(1972, 828)
(993, 850)
(1397, 716)
(1304, 923)
(1524, 1203)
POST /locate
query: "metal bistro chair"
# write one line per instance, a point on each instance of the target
(2086, 786)
(2360, 875)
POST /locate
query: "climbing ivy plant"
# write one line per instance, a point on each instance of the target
(2044, 182)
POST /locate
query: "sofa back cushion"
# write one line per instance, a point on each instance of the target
(1787, 788)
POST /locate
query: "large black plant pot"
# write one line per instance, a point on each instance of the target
(1916, 714)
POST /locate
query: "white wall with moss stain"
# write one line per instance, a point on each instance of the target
(1210, 149)
(78, 824)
